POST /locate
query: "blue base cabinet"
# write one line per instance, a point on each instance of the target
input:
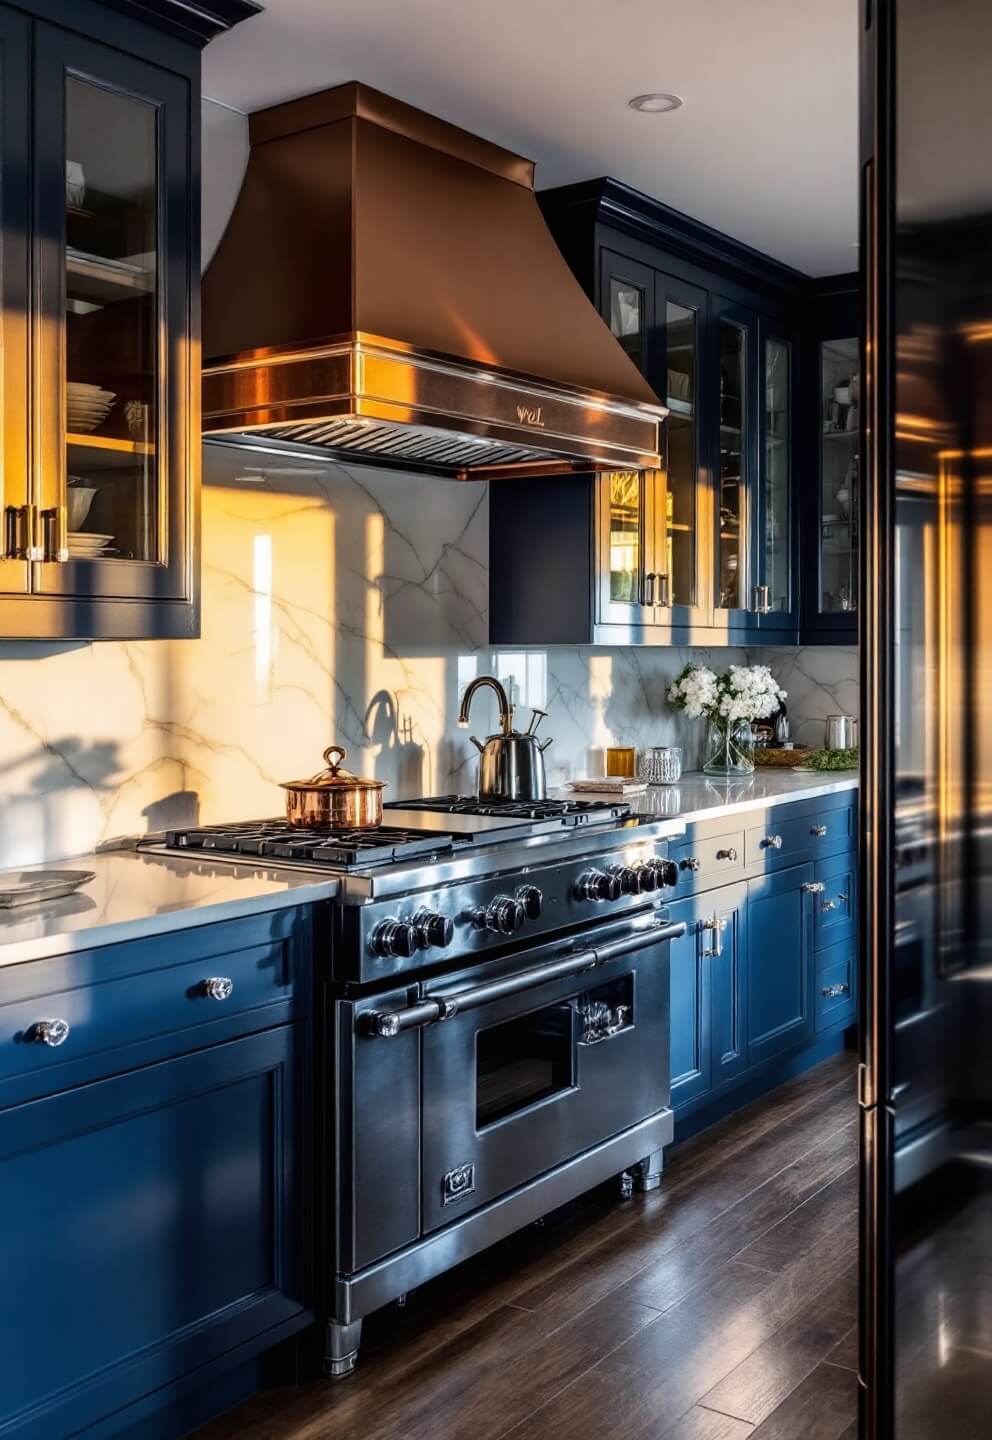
(780, 982)
(155, 1214)
(766, 970)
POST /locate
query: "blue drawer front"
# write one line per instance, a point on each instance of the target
(836, 986)
(835, 911)
(164, 992)
(704, 862)
(784, 840)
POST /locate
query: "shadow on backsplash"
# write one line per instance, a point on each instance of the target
(339, 606)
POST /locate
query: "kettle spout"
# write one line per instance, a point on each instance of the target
(478, 744)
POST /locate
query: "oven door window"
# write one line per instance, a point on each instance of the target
(523, 1061)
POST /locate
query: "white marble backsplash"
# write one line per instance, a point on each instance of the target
(338, 606)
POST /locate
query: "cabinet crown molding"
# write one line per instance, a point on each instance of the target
(196, 21)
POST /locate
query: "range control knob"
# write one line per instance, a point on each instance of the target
(434, 930)
(630, 883)
(599, 885)
(647, 879)
(666, 872)
(504, 915)
(396, 938)
(532, 900)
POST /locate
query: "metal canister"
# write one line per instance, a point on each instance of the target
(840, 733)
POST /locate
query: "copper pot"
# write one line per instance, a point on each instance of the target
(334, 799)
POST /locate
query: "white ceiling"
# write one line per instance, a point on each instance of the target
(764, 148)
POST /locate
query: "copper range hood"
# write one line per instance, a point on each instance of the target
(387, 290)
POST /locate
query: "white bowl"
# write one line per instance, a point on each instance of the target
(80, 498)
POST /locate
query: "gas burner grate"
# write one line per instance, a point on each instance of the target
(340, 848)
(575, 812)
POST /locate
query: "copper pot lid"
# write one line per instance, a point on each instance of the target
(334, 777)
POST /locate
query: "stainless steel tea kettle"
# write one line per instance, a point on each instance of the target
(511, 764)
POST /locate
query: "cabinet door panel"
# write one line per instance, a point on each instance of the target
(780, 1014)
(160, 1224)
(735, 334)
(14, 184)
(690, 1021)
(112, 399)
(728, 983)
(774, 598)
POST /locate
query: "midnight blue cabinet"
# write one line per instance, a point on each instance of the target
(780, 955)
(708, 993)
(154, 1179)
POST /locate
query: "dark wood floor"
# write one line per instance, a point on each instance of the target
(721, 1307)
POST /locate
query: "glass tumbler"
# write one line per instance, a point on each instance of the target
(660, 765)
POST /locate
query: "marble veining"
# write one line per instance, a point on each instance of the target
(339, 605)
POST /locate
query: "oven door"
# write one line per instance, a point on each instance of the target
(541, 1062)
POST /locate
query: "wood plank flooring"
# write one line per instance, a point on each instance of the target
(721, 1307)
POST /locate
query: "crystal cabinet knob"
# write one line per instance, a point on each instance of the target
(532, 900)
(772, 842)
(599, 885)
(434, 930)
(218, 987)
(49, 1032)
(691, 862)
(818, 830)
(504, 915)
(396, 938)
(731, 854)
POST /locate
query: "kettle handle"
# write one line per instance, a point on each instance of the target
(547, 742)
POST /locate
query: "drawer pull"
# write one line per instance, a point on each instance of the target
(49, 1032)
(689, 863)
(772, 842)
(831, 992)
(730, 854)
(840, 901)
(218, 987)
(819, 831)
(813, 887)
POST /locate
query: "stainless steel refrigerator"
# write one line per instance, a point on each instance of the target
(925, 1080)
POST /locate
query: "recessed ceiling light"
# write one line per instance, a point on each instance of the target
(657, 103)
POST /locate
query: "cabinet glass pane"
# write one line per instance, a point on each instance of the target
(775, 481)
(733, 448)
(625, 536)
(682, 479)
(839, 475)
(627, 317)
(112, 339)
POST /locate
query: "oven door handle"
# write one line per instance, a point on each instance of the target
(445, 1004)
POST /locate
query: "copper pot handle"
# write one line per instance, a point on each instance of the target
(333, 766)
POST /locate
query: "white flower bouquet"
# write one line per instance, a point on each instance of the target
(729, 701)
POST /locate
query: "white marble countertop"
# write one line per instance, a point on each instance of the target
(134, 895)
(703, 797)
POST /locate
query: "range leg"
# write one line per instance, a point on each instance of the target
(647, 1172)
(341, 1344)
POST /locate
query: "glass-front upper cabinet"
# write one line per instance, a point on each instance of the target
(115, 452)
(18, 524)
(682, 497)
(839, 460)
(736, 343)
(774, 593)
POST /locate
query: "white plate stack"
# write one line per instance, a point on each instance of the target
(87, 406)
(84, 546)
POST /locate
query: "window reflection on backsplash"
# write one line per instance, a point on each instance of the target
(338, 606)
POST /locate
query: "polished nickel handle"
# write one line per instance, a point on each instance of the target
(57, 534)
(760, 599)
(819, 831)
(835, 904)
(830, 992)
(49, 1032)
(649, 580)
(664, 592)
(718, 925)
(772, 842)
(813, 887)
(218, 987)
(33, 548)
(445, 1004)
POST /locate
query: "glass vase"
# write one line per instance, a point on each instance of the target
(729, 749)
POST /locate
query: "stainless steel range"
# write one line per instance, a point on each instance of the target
(496, 999)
